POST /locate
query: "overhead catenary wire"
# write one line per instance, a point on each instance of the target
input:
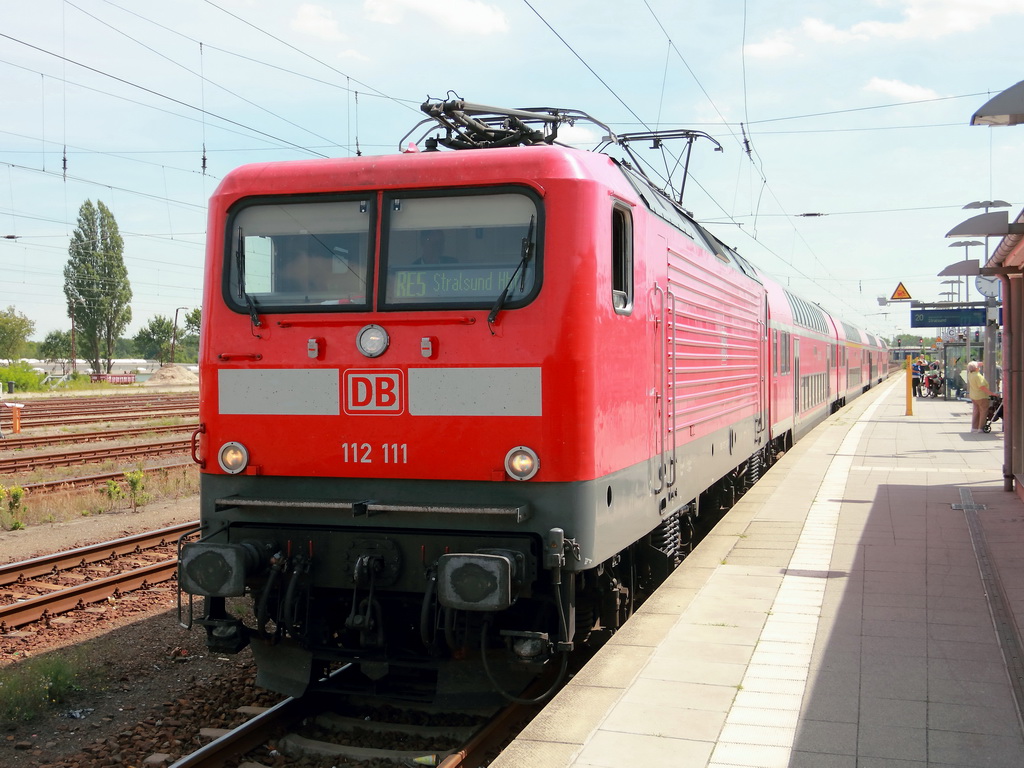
(200, 75)
(364, 91)
(160, 95)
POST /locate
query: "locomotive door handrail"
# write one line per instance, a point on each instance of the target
(796, 381)
(657, 296)
(670, 393)
(763, 397)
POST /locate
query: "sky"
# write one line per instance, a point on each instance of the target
(856, 112)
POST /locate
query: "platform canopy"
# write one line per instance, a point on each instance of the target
(1007, 108)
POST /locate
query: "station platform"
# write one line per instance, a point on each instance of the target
(858, 607)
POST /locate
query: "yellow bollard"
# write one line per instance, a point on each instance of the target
(910, 390)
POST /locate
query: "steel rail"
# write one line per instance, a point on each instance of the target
(136, 415)
(487, 741)
(35, 441)
(94, 553)
(85, 481)
(247, 736)
(35, 608)
(87, 455)
(71, 403)
(28, 411)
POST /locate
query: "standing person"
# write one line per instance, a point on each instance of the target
(916, 371)
(979, 393)
(933, 379)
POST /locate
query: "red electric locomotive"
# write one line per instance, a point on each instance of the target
(468, 403)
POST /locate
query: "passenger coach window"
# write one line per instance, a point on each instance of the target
(461, 250)
(622, 261)
(300, 255)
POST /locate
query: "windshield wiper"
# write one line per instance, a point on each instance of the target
(527, 251)
(250, 302)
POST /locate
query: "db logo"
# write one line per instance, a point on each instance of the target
(373, 391)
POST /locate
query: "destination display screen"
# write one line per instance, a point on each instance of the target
(447, 282)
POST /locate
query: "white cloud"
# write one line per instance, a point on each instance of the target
(772, 48)
(931, 19)
(899, 90)
(462, 16)
(921, 19)
(579, 136)
(821, 32)
(319, 22)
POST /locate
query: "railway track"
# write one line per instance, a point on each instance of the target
(37, 441)
(86, 455)
(309, 728)
(60, 411)
(39, 575)
(137, 414)
(22, 462)
(72, 403)
(90, 481)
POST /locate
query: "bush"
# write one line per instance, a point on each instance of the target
(29, 688)
(24, 378)
(11, 519)
(137, 489)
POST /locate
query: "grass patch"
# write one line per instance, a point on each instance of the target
(31, 687)
(59, 506)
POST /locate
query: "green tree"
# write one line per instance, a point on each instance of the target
(187, 350)
(154, 340)
(124, 347)
(192, 321)
(96, 285)
(15, 329)
(56, 348)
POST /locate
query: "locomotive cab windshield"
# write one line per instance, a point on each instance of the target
(461, 249)
(298, 254)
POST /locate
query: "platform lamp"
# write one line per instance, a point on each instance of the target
(1005, 108)
(966, 245)
(174, 334)
(986, 204)
(951, 293)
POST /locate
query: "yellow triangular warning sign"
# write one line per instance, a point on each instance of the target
(900, 293)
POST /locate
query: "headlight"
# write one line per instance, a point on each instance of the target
(372, 340)
(521, 463)
(233, 458)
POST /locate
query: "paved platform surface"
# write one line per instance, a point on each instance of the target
(853, 610)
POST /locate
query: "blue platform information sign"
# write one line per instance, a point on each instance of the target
(946, 318)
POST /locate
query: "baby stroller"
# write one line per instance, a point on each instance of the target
(995, 412)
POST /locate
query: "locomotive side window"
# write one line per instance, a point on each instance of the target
(622, 260)
(460, 250)
(312, 256)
